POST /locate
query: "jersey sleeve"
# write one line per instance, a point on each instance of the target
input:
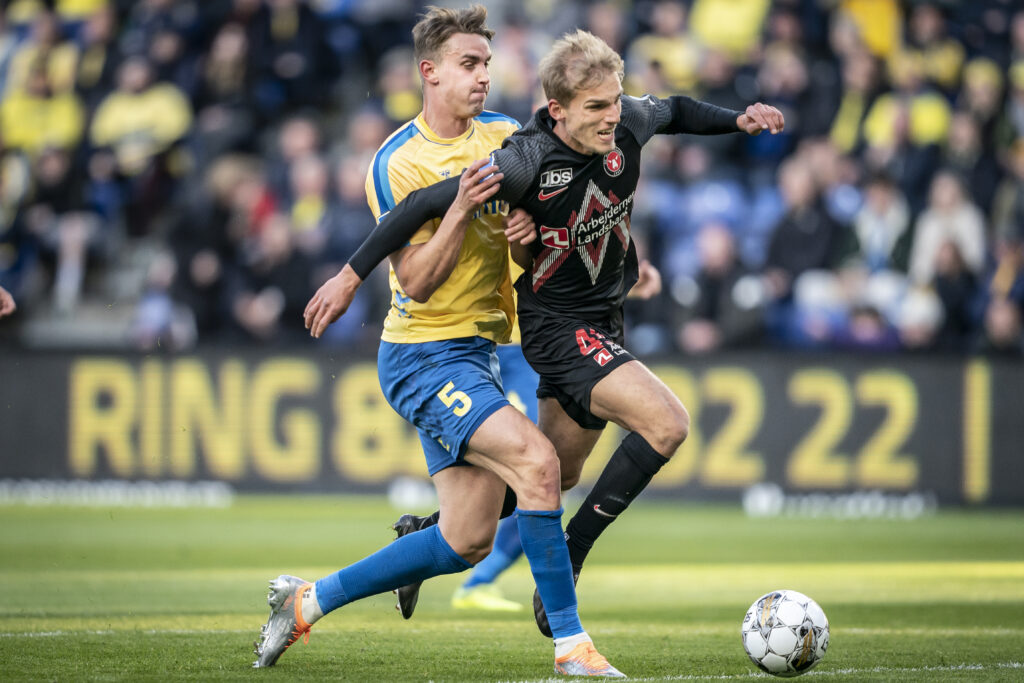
(396, 227)
(648, 115)
(519, 168)
(390, 179)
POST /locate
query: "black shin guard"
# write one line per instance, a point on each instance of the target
(627, 473)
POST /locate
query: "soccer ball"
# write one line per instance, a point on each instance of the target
(785, 633)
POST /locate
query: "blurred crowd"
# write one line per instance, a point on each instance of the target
(177, 172)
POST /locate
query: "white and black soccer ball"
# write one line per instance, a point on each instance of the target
(785, 633)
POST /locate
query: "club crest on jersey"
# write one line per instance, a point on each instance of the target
(554, 238)
(614, 162)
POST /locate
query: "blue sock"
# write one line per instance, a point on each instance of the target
(507, 549)
(411, 558)
(544, 545)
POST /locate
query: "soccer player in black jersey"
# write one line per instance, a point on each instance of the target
(575, 168)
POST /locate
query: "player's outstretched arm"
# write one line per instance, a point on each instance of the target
(649, 115)
(331, 301)
(760, 117)
(394, 230)
(7, 305)
(422, 268)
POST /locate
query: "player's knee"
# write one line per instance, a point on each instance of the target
(543, 471)
(540, 477)
(671, 431)
(473, 546)
(680, 427)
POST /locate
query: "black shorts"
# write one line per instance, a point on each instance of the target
(571, 356)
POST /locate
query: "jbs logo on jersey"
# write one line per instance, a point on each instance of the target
(556, 177)
(555, 238)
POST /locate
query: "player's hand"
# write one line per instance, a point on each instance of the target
(7, 305)
(519, 227)
(648, 283)
(331, 301)
(478, 183)
(759, 117)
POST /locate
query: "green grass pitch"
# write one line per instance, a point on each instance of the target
(179, 594)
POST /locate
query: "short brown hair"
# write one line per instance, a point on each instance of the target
(577, 61)
(439, 24)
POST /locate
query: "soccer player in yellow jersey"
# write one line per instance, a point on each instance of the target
(451, 303)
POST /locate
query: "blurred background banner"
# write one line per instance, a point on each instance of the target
(178, 177)
(947, 428)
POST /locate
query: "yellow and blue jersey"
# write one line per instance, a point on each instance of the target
(477, 299)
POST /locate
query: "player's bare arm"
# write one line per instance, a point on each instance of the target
(395, 229)
(331, 301)
(7, 305)
(760, 117)
(422, 268)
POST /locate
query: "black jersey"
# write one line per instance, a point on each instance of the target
(584, 258)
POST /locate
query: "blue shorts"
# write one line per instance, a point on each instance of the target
(446, 389)
(519, 379)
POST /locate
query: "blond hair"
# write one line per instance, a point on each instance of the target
(439, 24)
(577, 61)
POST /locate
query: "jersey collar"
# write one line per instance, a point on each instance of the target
(424, 129)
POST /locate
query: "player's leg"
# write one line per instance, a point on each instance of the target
(480, 591)
(408, 595)
(470, 500)
(638, 401)
(635, 399)
(416, 381)
(572, 441)
(296, 604)
(512, 447)
(589, 379)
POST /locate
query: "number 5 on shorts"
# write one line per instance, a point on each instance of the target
(450, 398)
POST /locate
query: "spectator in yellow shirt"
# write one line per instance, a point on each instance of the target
(37, 118)
(140, 119)
(45, 46)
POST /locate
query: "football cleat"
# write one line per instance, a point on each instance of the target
(538, 608)
(408, 595)
(585, 660)
(285, 624)
(486, 597)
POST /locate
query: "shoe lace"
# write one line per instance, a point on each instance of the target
(299, 633)
(588, 656)
(301, 628)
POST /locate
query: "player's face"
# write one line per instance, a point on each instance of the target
(463, 76)
(588, 121)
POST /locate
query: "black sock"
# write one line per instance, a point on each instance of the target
(627, 473)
